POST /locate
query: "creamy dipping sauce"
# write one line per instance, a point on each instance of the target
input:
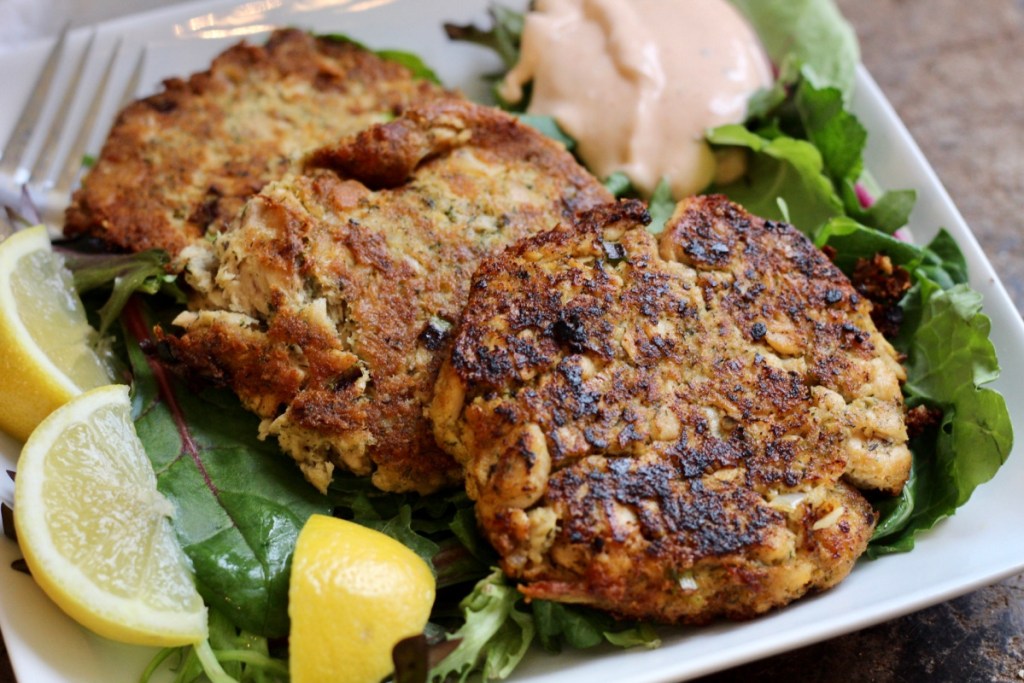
(637, 82)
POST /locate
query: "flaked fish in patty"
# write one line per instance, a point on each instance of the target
(672, 427)
(327, 305)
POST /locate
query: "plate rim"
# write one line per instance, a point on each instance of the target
(870, 100)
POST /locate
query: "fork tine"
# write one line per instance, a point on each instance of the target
(73, 161)
(128, 96)
(47, 155)
(17, 142)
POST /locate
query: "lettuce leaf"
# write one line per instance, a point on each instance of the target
(124, 274)
(495, 636)
(582, 628)
(806, 154)
(833, 130)
(780, 167)
(503, 36)
(661, 206)
(411, 61)
(499, 627)
(949, 359)
(811, 34)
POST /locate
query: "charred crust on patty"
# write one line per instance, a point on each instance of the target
(710, 399)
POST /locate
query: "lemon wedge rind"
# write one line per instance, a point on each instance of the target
(354, 592)
(32, 385)
(95, 531)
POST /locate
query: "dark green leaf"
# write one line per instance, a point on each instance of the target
(890, 212)
(239, 502)
(944, 253)
(400, 528)
(556, 622)
(463, 525)
(454, 564)
(503, 36)
(781, 167)
(894, 512)
(582, 627)
(951, 349)
(837, 134)
(409, 60)
(412, 62)
(853, 241)
(949, 357)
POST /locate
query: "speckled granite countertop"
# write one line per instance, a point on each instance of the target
(954, 71)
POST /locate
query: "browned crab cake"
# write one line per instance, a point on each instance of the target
(326, 306)
(181, 163)
(672, 427)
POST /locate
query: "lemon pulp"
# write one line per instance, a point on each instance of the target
(55, 319)
(95, 531)
(47, 355)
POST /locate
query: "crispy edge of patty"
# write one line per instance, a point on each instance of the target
(181, 163)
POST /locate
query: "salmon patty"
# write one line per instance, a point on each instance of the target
(181, 163)
(327, 306)
(672, 427)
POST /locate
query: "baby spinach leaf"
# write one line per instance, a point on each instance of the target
(837, 133)
(239, 503)
(949, 357)
(661, 207)
(853, 241)
(888, 213)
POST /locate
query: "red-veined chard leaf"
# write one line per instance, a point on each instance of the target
(239, 503)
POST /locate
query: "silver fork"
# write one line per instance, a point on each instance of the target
(51, 171)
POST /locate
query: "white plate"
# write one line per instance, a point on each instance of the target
(978, 546)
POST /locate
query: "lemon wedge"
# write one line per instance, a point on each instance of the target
(95, 531)
(353, 593)
(44, 335)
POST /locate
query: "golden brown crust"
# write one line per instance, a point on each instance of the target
(181, 163)
(667, 427)
(326, 306)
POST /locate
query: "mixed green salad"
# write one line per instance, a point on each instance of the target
(241, 505)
